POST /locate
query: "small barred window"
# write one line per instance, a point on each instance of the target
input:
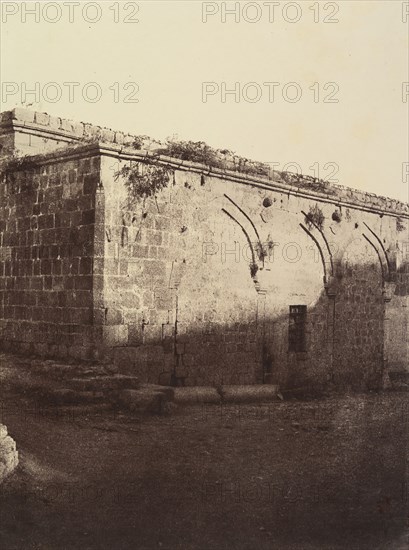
(297, 329)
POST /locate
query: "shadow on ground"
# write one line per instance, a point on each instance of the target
(328, 474)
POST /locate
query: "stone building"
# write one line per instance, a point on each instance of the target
(227, 274)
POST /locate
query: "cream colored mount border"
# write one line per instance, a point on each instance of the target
(107, 142)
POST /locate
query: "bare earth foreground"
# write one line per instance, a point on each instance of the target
(323, 474)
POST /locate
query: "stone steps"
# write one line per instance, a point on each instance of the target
(56, 384)
(89, 390)
(58, 371)
(104, 383)
(67, 396)
(161, 399)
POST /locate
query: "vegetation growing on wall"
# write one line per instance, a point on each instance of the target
(193, 151)
(400, 225)
(15, 163)
(201, 153)
(145, 179)
(337, 216)
(139, 141)
(253, 269)
(154, 176)
(263, 250)
(12, 164)
(315, 217)
(306, 182)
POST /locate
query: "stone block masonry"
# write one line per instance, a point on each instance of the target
(220, 277)
(47, 219)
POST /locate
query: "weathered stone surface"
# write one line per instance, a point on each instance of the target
(249, 394)
(8, 453)
(196, 395)
(194, 285)
(24, 115)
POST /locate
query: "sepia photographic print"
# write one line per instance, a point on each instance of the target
(204, 275)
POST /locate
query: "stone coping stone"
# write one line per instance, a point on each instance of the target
(249, 394)
(229, 164)
(196, 394)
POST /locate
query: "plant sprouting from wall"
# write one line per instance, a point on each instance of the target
(337, 216)
(253, 269)
(400, 226)
(12, 164)
(139, 141)
(193, 151)
(315, 217)
(263, 250)
(145, 179)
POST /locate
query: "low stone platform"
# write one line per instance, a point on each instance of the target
(56, 384)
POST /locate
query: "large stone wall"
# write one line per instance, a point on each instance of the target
(47, 214)
(180, 300)
(163, 287)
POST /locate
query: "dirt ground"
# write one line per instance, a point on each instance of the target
(325, 474)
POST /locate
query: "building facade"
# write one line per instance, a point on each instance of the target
(224, 275)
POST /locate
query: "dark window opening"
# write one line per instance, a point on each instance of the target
(297, 326)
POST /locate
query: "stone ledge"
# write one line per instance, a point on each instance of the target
(341, 196)
(67, 130)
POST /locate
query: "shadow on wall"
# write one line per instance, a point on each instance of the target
(214, 325)
(341, 345)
